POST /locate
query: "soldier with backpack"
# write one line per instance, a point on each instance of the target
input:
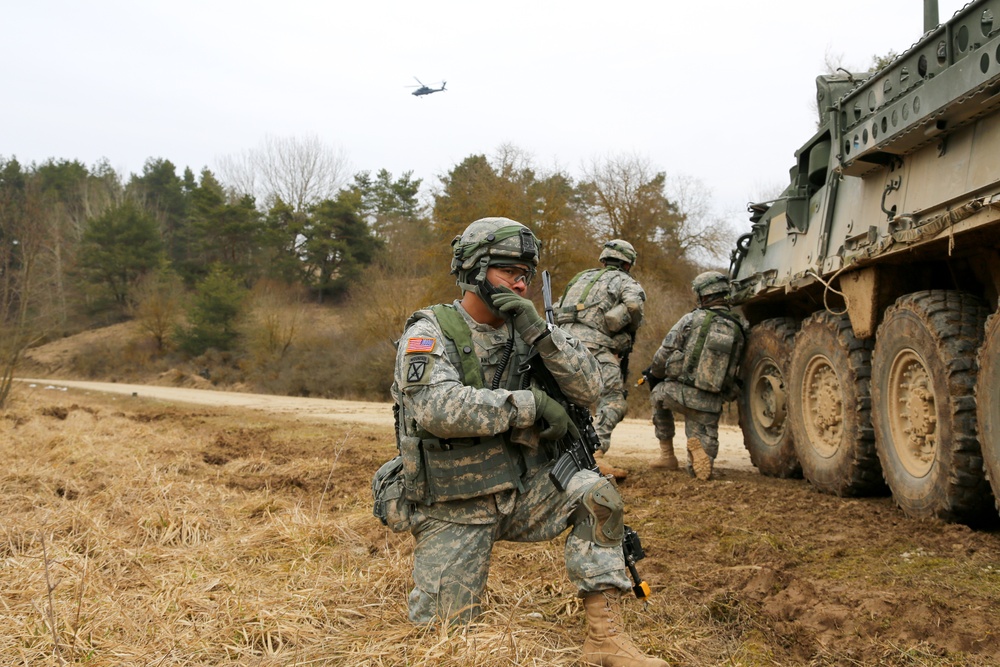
(694, 372)
(603, 307)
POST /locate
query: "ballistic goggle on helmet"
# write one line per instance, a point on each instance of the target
(491, 242)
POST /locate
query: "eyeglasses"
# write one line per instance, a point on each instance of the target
(513, 275)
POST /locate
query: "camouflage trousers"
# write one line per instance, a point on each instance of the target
(697, 423)
(451, 561)
(611, 406)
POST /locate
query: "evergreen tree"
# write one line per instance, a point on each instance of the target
(224, 232)
(119, 247)
(337, 245)
(214, 313)
(168, 198)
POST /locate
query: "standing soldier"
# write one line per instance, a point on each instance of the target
(603, 308)
(475, 436)
(694, 373)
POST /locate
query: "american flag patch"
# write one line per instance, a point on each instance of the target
(420, 345)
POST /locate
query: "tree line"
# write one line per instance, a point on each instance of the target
(194, 257)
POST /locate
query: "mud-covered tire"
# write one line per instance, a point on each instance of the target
(830, 407)
(988, 402)
(764, 398)
(923, 378)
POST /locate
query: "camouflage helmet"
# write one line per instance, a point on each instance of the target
(710, 283)
(489, 242)
(619, 250)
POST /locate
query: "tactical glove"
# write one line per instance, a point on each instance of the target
(649, 379)
(558, 419)
(527, 321)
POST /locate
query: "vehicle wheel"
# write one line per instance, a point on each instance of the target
(830, 407)
(763, 401)
(923, 377)
(988, 402)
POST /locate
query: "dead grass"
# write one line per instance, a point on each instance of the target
(138, 533)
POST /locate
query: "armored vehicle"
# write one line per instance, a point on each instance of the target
(871, 283)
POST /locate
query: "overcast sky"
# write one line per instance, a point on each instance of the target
(720, 91)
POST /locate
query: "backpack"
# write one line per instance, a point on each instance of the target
(712, 353)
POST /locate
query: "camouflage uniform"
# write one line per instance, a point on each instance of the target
(455, 537)
(604, 309)
(677, 392)
(477, 441)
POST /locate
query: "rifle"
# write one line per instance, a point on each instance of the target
(578, 454)
(574, 455)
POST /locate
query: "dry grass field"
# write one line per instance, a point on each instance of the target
(139, 532)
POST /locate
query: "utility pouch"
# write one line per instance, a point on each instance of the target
(414, 471)
(390, 505)
(617, 318)
(712, 372)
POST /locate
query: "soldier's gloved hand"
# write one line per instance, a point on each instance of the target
(527, 321)
(650, 380)
(558, 419)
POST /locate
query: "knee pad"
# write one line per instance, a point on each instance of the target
(599, 518)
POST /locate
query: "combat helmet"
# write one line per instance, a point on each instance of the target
(490, 242)
(617, 251)
(710, 284)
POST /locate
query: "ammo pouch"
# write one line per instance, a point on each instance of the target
(390, 504)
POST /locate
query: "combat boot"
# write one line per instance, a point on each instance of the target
(620, 474)
(607, 645)
(701, 462)
(667, 460)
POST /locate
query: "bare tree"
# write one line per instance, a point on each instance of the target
(703, 234)
(298, 171)
(20, 247)
(156, 304)
(625, 197)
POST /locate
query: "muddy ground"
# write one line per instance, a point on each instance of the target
(745, 569)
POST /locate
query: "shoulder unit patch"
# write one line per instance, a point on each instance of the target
(418, 369)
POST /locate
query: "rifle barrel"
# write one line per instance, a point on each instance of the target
(547, 297)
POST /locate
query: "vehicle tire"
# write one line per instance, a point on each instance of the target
(763, 400)
(830, 407)
(923, 378)
(988, 403)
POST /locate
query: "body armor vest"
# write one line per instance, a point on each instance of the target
(442, 469)
(574, 305)
(604, 318)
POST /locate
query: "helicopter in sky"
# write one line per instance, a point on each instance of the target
(426, 90)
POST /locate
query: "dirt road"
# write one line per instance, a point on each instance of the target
(633, 437)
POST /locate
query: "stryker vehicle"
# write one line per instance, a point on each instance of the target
(871, 284)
